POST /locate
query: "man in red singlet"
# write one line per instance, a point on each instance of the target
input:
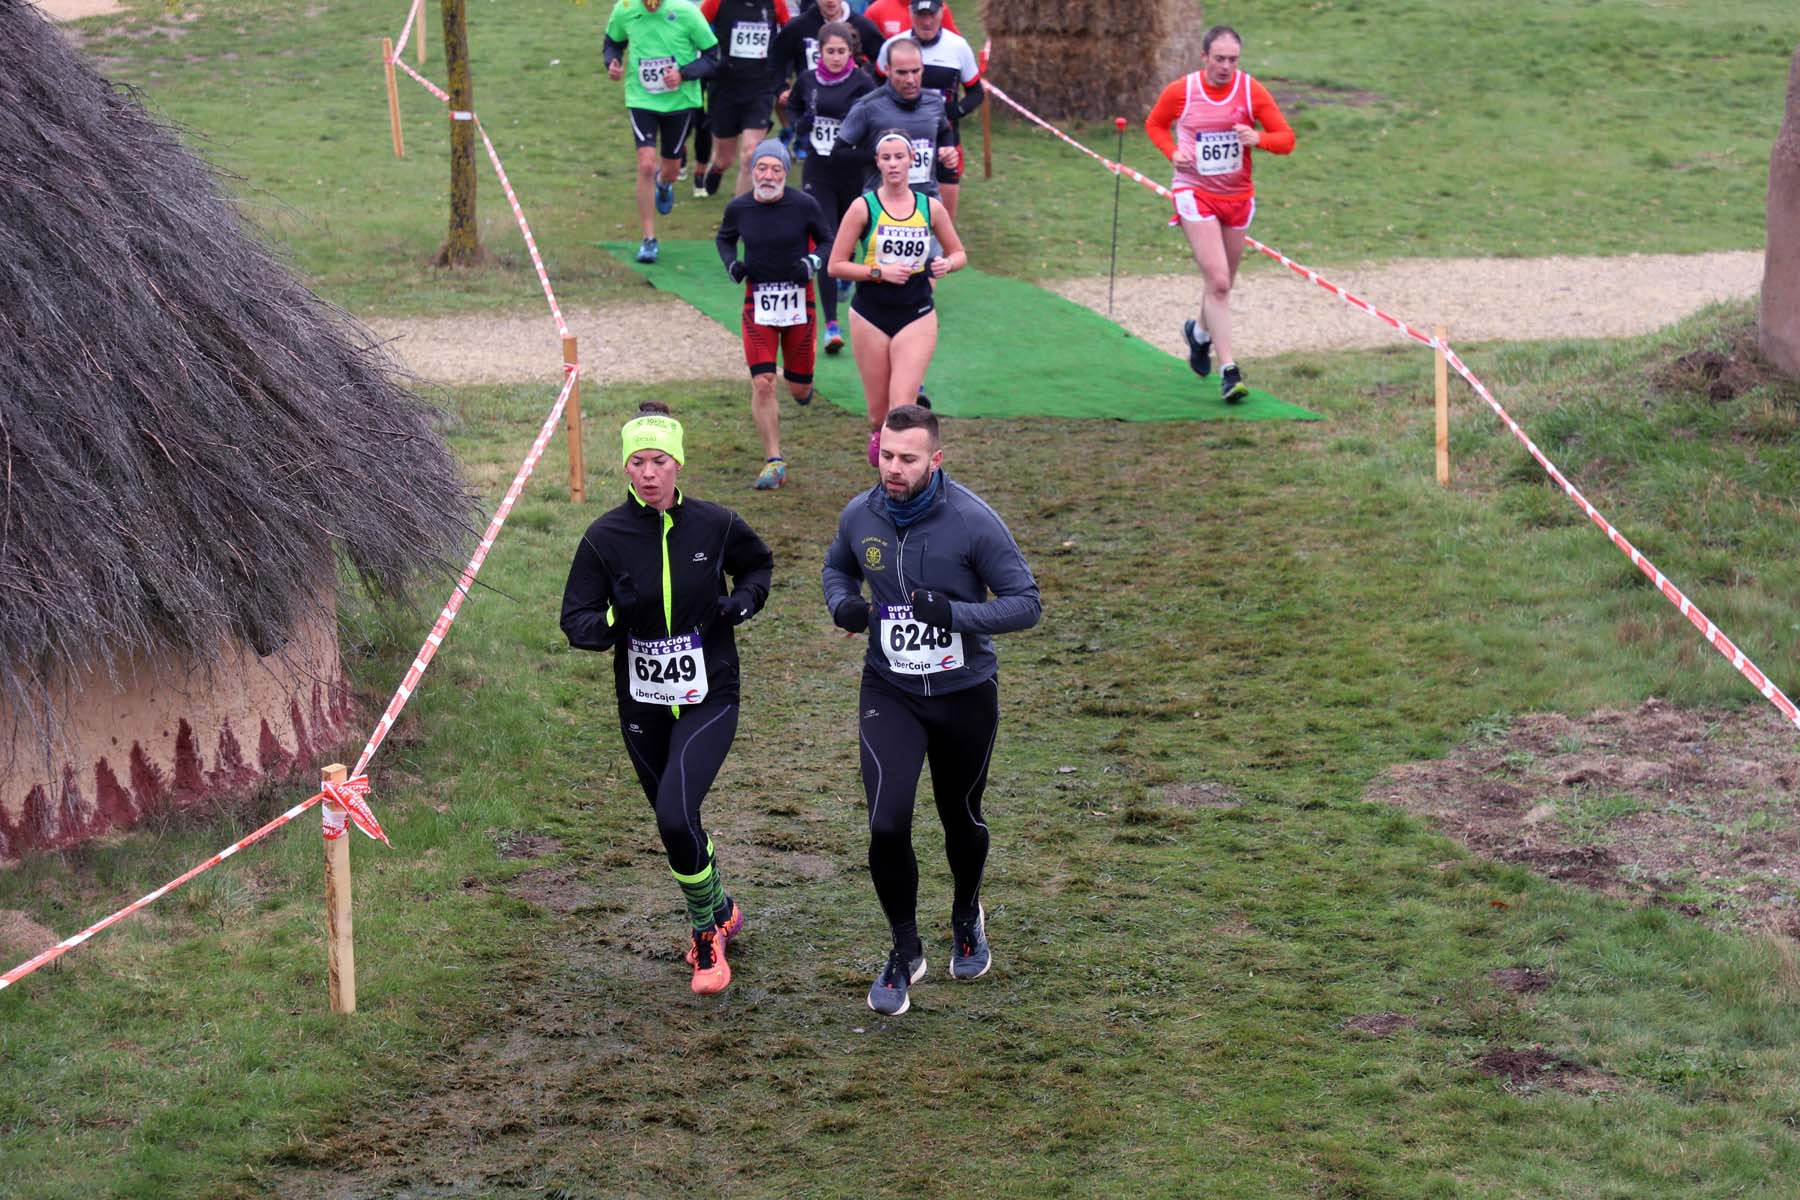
(1205, 124)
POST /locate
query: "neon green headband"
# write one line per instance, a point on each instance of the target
(652, 432)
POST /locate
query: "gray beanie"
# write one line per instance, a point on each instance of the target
(772, 148)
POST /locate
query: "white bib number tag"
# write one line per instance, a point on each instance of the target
(901, 246)
(1217, 152)
(824, 134)
(668, 670)
(750, 39)
(650, 73)
(915, 648)
(920, 171)
(812, 54)
(778, 304)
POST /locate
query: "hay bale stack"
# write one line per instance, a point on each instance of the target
(191, 442)
(1092, 59)
(1779, 323)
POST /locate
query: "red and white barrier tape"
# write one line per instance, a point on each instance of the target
(1713, 635)
(425, 83)
(530, 242)
(435, 638)
(412, 14)
(512, 197)
(330, 792)
(348, 799)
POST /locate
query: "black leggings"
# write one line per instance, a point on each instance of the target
(835, 184)
(900, 732)
(676, 762)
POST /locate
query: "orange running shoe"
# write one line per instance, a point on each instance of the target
(712, 974)
(727, 929)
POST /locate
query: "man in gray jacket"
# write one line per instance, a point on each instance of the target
(904, 105)
(931, 551)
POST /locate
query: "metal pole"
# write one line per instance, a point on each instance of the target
(1118, 179)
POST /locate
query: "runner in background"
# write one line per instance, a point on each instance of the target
(797, 46)
(817, 105)
(893, 319)
(905, 106)
(932, 553)
(1206, 124)
(661, 49)
(950, 68)
(783, 233)
(649, 582)
(741, 103)
(893, 19)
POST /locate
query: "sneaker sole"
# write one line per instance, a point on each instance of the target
(1237, 395)
(833, 346)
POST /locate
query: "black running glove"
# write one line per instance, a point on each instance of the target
(933, 608)
(737, 270)
(852, 616)
(733, 611)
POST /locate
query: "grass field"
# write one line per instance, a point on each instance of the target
(1189, 897)
(1543, 128)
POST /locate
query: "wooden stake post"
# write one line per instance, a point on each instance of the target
(387, 65)
(1441, 380)
(987, 138)
(572, 419)
(419, 28)
(339, 941)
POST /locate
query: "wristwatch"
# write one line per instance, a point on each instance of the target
(874, 272)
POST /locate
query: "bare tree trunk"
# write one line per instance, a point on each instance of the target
(462, 247)
(1778, 325)
(1093, 59)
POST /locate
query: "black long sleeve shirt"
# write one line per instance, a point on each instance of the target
(776, 235)
(615, 586)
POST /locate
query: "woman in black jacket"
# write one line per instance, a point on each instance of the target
(816, 105)
(649, 582)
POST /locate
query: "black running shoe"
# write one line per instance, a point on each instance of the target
(922, 400)
(970, 957)
(888, 995)
(713, 180)
(1199, 349)
(1232, 388)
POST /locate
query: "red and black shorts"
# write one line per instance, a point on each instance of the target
(797, 343)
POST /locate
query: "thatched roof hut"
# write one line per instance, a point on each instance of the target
(1093, 59)
(192, 444)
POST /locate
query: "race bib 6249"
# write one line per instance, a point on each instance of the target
(667, 670)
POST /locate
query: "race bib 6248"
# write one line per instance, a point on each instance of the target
(914, 648)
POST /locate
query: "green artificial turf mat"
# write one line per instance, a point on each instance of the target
(1005, 349)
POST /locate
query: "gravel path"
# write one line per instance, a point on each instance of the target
(1479, 299)
(1275, 312)
(631, 342)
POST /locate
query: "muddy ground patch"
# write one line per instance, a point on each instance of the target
(1691, 808)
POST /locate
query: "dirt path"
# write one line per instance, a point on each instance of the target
(1480, 299)
(1276, 312)
(74, 10)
